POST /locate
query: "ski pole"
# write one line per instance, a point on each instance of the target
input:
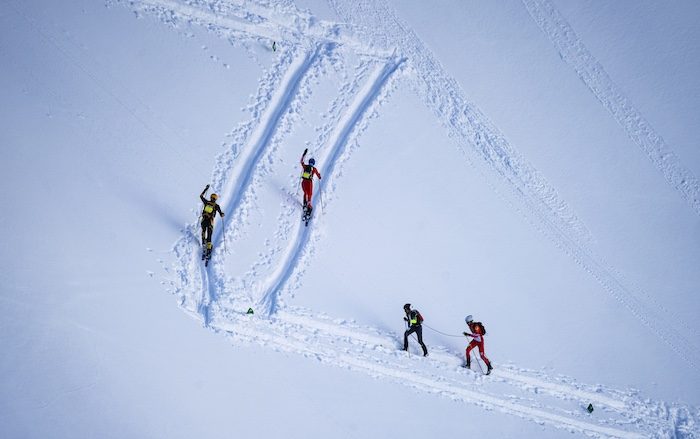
(320, 195)
(479, 364)
(408, 351)
(223, 232)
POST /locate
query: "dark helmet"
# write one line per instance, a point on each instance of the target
(214, 197)
(312, 162)
(407, 306)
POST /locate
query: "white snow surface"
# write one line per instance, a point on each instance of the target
(533, 163)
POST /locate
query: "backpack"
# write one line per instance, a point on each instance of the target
(416, 315)
(479, 328)
(308, 173)
(209, 209)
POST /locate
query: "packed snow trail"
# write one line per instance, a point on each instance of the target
(592, 73)
(558, 402)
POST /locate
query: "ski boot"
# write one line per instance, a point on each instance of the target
(207, 254)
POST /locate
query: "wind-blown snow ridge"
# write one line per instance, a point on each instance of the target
(530, 194)
(592, 73)
(338, 141)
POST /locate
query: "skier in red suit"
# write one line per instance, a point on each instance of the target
(477, 334)
(307, 179)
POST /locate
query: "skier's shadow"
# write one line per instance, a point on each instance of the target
(151, 204)
(285, 193)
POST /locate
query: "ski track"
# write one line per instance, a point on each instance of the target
(529, 193)
(365, 349)
(373, 352)
(361, 105)
(235, 170)
(212, 15)
(288, 219)
(591, 72)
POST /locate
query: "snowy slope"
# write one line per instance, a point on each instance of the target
(476, 159)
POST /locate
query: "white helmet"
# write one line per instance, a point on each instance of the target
(468, 319)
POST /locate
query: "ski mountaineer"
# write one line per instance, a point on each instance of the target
(208, 214)
(307, 180)
(477, 333)
(414, 320)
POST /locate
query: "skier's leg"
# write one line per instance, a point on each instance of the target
(210, 230)
(311, 193)
(305, 188)
(405, 339)
(419, 333)
(468, 351)
(204, 232)
(483, 356)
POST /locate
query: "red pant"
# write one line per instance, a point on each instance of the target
(480, 344)
(308, 187)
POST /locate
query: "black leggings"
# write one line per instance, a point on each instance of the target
(207, 230)
(418, 329)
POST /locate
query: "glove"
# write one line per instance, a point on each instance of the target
(465, 334)
(206, 187)
(405, 319)
(306, 150)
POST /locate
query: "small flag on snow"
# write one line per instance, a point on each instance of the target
(590, 408)
(250, 311)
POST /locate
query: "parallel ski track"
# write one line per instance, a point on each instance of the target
(482, 144)
(370, 351)
(240, 176)
(254, 22)
(235, 170)
(365, 349)
(592, 73)
(339, 139)
(222, 15)
(290, 208)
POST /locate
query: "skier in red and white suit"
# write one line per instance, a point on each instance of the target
(477, 333)
(307, 179)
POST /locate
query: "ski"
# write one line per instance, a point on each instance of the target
(306, 216)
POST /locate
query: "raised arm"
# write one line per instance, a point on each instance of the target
(303, 155)
(201, 196)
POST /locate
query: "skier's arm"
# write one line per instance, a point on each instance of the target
(218, 208)
(303, 155)
(201, 196)
(317, 174)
